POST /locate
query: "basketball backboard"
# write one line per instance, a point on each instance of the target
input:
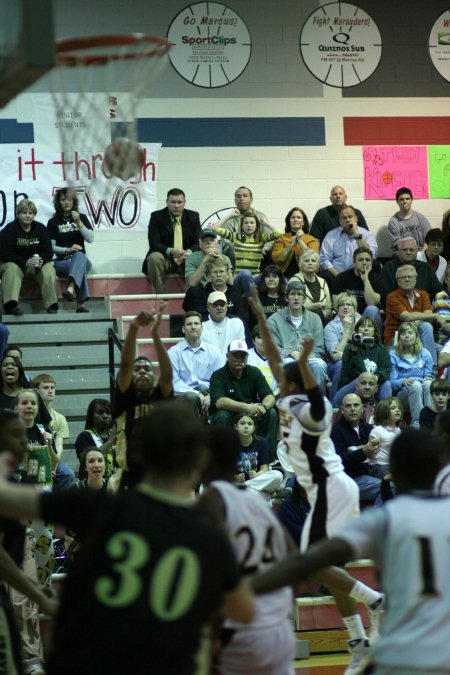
(27, 45)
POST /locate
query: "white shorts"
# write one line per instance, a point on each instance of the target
(269, 650)
(333, 503)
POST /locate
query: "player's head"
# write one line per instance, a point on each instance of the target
(13, 436)
(143, 374)
(291, 381)
(415, 460)
(225, 448)
(170, 443)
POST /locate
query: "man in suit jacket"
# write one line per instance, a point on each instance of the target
(163, 256)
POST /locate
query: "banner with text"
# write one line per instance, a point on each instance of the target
(388, 168)
(107, 201)
(439, 167)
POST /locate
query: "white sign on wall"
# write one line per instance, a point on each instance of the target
(211, 44)
(108, 202)
(340, 44)
(439, 45)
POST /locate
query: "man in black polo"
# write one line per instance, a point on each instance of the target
(350, 435)
(362, 282)
(238, 387)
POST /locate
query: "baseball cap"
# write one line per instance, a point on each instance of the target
(215, 296)
(237, 346)
(208, 233)
(295, 285)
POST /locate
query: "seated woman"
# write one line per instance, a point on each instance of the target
(337, 334)
(288, 248)
(364, 354)
(318, 297)
(91, 473)
(272, 289)
(434, 240)
(69, 230)
(412, 371)
(26, 250)
(99, 432)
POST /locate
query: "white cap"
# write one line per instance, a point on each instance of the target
(237, 346)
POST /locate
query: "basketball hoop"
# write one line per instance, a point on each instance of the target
(96, 86)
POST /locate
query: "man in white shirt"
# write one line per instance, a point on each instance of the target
(220, 330)
(193, 362)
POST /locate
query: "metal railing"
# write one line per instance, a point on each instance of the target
(113, 340)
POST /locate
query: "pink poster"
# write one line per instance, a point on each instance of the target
(390, 167)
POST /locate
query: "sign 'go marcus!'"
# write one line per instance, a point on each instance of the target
(211, 44)
(340, 44)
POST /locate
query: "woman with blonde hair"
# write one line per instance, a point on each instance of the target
(411, 371)
(318, 297)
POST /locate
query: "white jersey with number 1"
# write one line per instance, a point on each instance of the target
(409, 540)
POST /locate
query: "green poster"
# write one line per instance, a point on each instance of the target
(439, 171)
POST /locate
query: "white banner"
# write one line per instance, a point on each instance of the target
(108, 202)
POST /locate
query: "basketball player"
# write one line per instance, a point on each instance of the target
(266, 645)
(150, 571)
(305, 423)
(408, 538)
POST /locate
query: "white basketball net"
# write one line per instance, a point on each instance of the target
(96, 87)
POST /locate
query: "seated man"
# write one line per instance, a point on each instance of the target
(409, 303)
(238, 387)
(243, 199)
(350, 435)
(197, 262)
(362, 282)
(366, 388)
(220, 329)
(257, 358)
(327, 218)
(173, 233)
(196, 297)
(26, 250)
(193, 362)
(288, 326)
(336, 251)
(406, 222)
(407, 255)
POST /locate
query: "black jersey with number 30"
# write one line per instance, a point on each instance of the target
(150, 575)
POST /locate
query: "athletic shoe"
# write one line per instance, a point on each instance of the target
(35, 669)
(375, 614)
(358, 649)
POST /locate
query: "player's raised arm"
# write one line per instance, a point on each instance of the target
(309, 381)
(270, 348)
(297, 567)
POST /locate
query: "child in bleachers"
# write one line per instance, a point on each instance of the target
(253, 463)
(387, 417)
(249, 247)
(439, 392)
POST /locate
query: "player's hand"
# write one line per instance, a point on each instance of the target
(144, 318)
(48, 602)
(307, 348)
(156, 317)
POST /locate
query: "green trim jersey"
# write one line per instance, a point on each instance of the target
(409, 541)
(149, 578)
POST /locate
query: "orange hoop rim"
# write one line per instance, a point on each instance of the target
(70, 52)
